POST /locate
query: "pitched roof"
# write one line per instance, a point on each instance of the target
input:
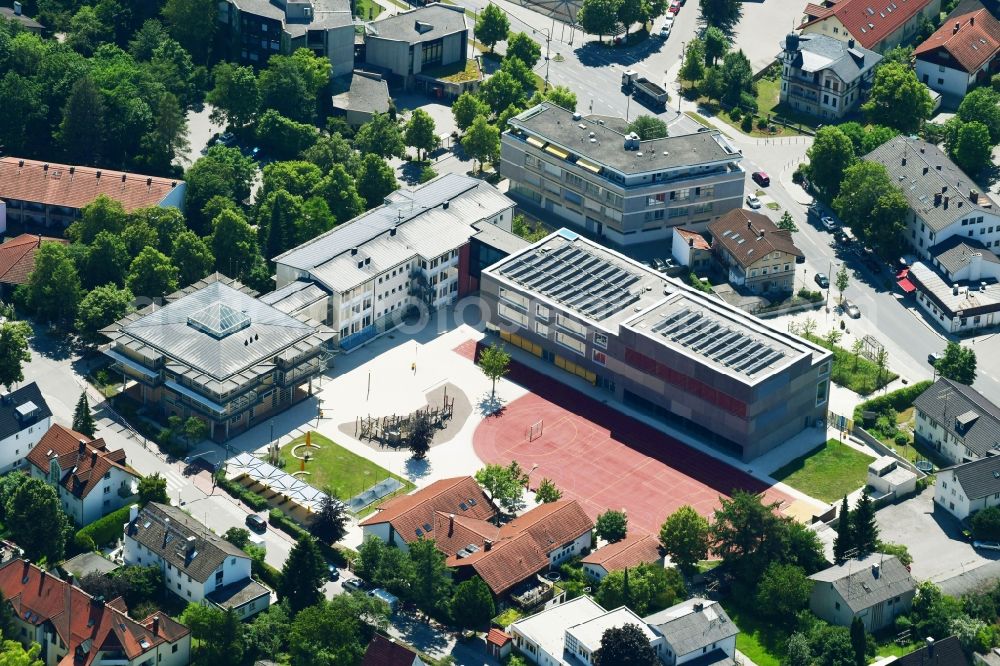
(693, 624)
(862, 583)
(817, 53)
(423, 24)
(946, 400)
(411, 515)
(77, 186)
(83, 462)
(871, 21)
(81, 621)
(749, 236)
(979, 478)
(384, 651)
(17, 257)
(498, 637)
(180, 540)
(28, 22)
(957, 252)
(627, 553)
(22, 408)
(975, 42)
(945, 652)
(367, 92)
(693, 238)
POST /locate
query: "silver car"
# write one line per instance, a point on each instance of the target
(852, 310)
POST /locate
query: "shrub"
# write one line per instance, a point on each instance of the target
(105, 531)
(427, 173)
(245, 495)
(986, 524)
(797, 176)
(813, 296)
(902, 439)
(748, 103)
(735, 114)
(995, 82)
(762, 123)
(266, 573)
(747, 124)
(83, 543)
(898, 400)
(278, 519)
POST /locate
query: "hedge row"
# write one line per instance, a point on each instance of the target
(107, 530)
(899, 400)
(266, 573)
(333, 555)
(248, 497)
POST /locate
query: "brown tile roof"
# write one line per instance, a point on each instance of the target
(498, 637)
(869, 21)
(38, 598)
(452, 534)
(17, 257)
(748, 236)
(77, 186)
(972, 45)
(383, 651)
(409, 513)
(692, 238)
(82, 461)
(627, 553)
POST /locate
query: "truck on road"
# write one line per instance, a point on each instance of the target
(640, 86)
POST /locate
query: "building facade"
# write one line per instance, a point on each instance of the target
(957, 421)
(877, 589)
(680, 355)
(964, 489)
(412, 42)
(960, 54)
(587, 175)
(823, 76)
(696, 630)
(875, 26)
(24, 419)
(758, 256)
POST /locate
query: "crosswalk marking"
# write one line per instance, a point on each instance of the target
(175, 480)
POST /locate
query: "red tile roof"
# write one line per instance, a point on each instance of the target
(38, 598)
(627, 553)
(748, 237)
(498, 637)
(972, 45)
(692, 238)
(17, 257)
(77, 186)
(385, 652)
(82, 461)
(869, 21)
(408, 513)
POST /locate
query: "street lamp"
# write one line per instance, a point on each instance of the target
(548, 40)
(680, 88)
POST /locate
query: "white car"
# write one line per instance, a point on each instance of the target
(668, 25)
(986, 545)
(753, 201)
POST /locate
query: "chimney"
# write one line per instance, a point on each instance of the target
(93, 458)
(488, 545)
(974, 196)
(850, 43)
(451, 524)
(98, 174)
(156, 625)
(690, 242)
(17, 8)
(354, 251)
(876, 570)
(444, 206)
(72, 170)
(698, 607)
(975, 266)
(749, 224)
(902, 162)
(392, 232)
(83, 447)
(957, 26)
(954, 289)
(133, 512)
(926, 170)
(189, 546)
(946, 202)
(972, 20)
(937, 199)
(123, 178)
(930, 647)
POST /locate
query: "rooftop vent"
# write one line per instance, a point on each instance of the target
(218, 320)
(421, 27)
(631, 141)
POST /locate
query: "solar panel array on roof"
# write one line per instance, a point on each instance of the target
(717, 341)
(577, 278)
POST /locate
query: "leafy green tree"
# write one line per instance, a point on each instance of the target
(330, 522)
(81, 132)
(898, 99)
(420, 133)
(25, 114)
(83, 420)
(561, 96)
(14, 351)
(716, 45)
(267, 634)
(500, 91)
(193, 258)
(832, 647)
(370, 555)
(747, 534)
(291, 84)
(504, 484)
(632, 11)
(599, 17)
(693, 68)
(284, 138)
(222, 172)
(295, 177)
(419, 436)
(106, 260)
(843, 543)
(194, 430)
(973, 148)
(431, 586)
(547, 492)
(219, 633)
(238, 536)
(13, 653)
(235, 96)
(467, 108)
(234, 244)
(101, 307)
(192, 23)
(684, 537)
(982, 105)
(783, 590)
(871, 204)
(494, 361)
(492, 26)
(864, 526)
(625, 646)
(87, 31)
(152, 274)
(53, 291)
(303, 575)
(276, 220)
(842, 279)
(645, 589)
(376, 180)
(152, 488)
(957, 364)
(737, 78)
(648, 127)
(339, 189)
(797, 651)
(482, 141)
(472, 604)
(335, 632)
(859, 641)
(786, 223)
(146, 39)
(35, 520)
(831, 153)
(611, 526)
(381, 136)
(165, 223)
(523, 47)
(712, 85)
(723, 14)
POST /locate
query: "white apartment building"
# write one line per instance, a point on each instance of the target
(24, 418)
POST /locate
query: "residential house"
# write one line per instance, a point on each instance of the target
(216, 352)
(696, 631)
(16, 15)
(254, 30)
(628, 553)
(760, 257)
(675, 353)
(410, 252)
(383, 651)
(417, 41)
(944, 652)
(957, 421)
(824, 76)
(24, 418)
(888, 477)
(966, 260)
(90, 479)
(957, 307)
(499, 644)
(587, 174)
(17, 259)
(689, 248)
(74, 628)
(876, 588)
(366, 95)
(44, 195)
(962, 53)
(964, 489)
(198, 565)
(877, 25)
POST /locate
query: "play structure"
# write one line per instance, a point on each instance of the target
(393, 430)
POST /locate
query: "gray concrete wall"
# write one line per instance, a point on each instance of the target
(389, 54)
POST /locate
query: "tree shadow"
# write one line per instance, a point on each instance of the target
(417, 468)
(492, 405)
(51, 343)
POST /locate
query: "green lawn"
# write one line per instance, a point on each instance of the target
(828, 472)
(761, 642)
(334, 467)
(456, 73)
(858, 374)
(366, 9)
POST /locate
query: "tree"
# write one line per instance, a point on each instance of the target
(14, 351)
(973, 147)
(859, 641)
(502, 90)
(192, 23)
(235, 96)
(193, 258)
(632, 11)
(831, 153)
(101, 307)
(152, 488)
(561, 96)
(329, 525)
(648, 127)
(13, 653)
(712, 85)
(599, 17)
(864, 526)
(985, 523)
(843, 543)
(238, 536)
(420, 133)
(832, 647)
(431, 583)
(957, 364)
(747, 534)
(106, 260)
(376, 180)
(898, 99)
(981, 105)
(152, 274)
(472, 604)
(797, 651)
(303, 575)
(267, 634)
(547, 492)
(842, 280)
(35, 519)
(625, 646)
(194, 430)
(219, 632)
(284, 138)
(504, 484)
(786, 223)
(335, 632)
(783, 590)
(494, 361)
(223, 172)
(871, 204)
(737, 78)
(26, 110)
(684, 536)
(645, 589)
(524, 48)
(83, 420)
(87, 31)
(81, 132)
(420, 435)
(611, 526)
(467, 108)
(492, 26)
(693, 68)
(716, 45)
(234, 244)
(382, 136)
(276, 219)
(53, 291)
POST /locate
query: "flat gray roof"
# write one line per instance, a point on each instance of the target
(555, 125)
(420, 25)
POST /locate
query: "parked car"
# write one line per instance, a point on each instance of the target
(390, 599)
(986, 545)
(822, 280)
(354, 585)
(934, 357)
(333, 573)
(704, 129)
(668, 25)
(659, 264)
(227, 139)
(852, 310)
(256, 523)
(675, 7)
(753, 201)
(761, 178)
(828, 223)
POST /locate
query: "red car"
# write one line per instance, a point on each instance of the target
(761, 178)
(675, 7)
